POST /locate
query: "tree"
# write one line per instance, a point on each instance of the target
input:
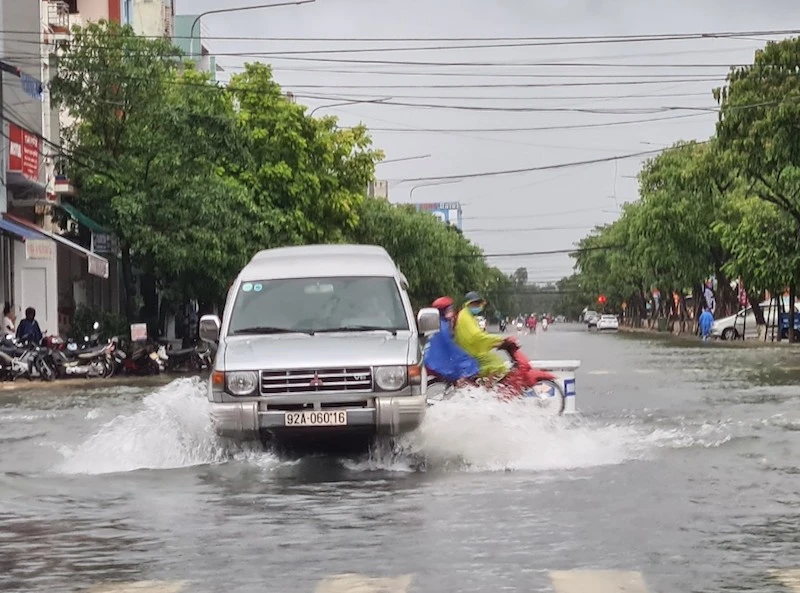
(759, 116)
(520, 277)
(435, 260)
(150, 148)
(309, 174)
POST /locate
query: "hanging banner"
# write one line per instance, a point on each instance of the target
(742, 294)
(98, 266)
(39, 249)
(23, 152)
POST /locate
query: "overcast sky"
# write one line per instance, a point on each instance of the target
(529, 211)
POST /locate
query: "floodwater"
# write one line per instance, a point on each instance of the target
(680, 474)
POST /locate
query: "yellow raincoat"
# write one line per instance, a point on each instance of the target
(479, 344)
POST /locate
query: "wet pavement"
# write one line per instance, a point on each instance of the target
(680, 474)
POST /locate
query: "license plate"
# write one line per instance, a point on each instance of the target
(314, 418)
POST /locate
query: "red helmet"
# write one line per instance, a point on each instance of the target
(443, 303)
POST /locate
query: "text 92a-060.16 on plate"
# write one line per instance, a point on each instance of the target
(337, 418)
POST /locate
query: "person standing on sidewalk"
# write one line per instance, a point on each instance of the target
(706, 321)
(9, 319)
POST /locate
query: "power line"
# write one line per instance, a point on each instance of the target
(545, 39)
(537, 128)
(533, 253)
(596, 111)
(530, 229)
(511, 85)
(541, 168)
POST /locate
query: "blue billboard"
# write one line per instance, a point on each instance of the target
(447, 212)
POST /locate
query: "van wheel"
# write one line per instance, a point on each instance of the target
(730, 333)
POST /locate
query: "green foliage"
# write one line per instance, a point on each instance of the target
(436, 260)
(759, 119)
(194, 178)
(763, 244)
(110, 324)
(308, 174)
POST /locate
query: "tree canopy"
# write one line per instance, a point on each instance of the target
(727, 208)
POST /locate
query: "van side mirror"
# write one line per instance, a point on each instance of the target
(428, 320)
(209, 328)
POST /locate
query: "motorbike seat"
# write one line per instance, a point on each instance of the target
(90, 353)
(13, 351)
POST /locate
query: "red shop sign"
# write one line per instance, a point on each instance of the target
(23, 152)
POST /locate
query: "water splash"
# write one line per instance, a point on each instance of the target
(172, 428)
(473, 431)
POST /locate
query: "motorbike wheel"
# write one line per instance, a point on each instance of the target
(548, 396)
(108, 369)
(46, 372)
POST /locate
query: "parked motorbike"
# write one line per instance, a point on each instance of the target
(89, 359)
(145, 358)
(196, 358)
(24, 359)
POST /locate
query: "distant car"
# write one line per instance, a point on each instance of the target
(591, 317)
(481, 322)
(607, 322)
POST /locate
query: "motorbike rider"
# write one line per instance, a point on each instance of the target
(28, 329)
(443, 358)
(476, 342)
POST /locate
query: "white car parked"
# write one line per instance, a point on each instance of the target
(607, 322)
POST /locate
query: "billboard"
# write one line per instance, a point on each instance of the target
(447, 212)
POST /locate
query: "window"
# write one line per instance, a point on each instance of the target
(318, 304)
(127, 12)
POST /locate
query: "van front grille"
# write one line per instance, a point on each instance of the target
(316, 380)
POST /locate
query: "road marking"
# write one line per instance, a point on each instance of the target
(359, 583)
(141, 587)
(597, 581)
(601, 372)
(788, 578)
(644, 371)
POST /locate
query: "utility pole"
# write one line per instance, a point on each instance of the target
(13, 70)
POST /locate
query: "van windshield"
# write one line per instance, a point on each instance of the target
(311, 305)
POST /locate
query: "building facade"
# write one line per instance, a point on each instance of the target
(188, 35)
(150, 18)
(40, 265)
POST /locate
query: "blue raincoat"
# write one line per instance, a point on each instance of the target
(706, 321)
(445, 359)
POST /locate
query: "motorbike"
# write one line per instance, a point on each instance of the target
(145, 358)
(545, 323)
(25, 359)
(90, 359)
(502, 325)
(522, 381)
(195, 358)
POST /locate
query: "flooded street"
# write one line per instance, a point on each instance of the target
(681, 468)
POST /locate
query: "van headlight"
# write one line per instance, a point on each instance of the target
(241, 382)
(390, 378)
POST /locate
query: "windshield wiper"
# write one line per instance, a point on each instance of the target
(359, 328)
(263, 329)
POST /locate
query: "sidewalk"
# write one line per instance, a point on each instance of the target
(688, 337)
(39, 387)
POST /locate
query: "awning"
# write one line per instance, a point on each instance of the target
(98, 266)
(18, 231)
(24, 188)
(81, 218)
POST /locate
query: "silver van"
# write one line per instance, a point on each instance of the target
(318, 341)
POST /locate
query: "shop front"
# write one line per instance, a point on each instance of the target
(74, 274)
